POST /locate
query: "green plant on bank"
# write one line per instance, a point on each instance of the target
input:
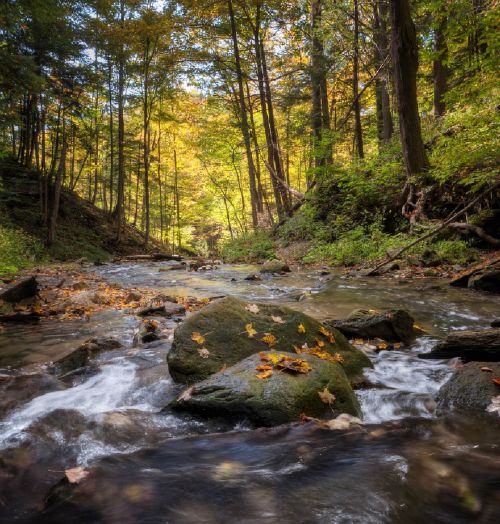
(249, 248)
(18, 250)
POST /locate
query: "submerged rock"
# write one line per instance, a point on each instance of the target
(20, 290)
(395, 325)
(81, 356)
(275, 266)
(222, 334)
(470, 388)
(477, 346)
(283, 397)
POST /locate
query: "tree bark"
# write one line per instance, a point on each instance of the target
(440, 69)
(358, 130)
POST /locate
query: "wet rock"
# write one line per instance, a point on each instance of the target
(84, 300)
(283, 397)
(20, 290)
(430, 258)
(275, 266)
(168, 309)
(477, 346)
(253, 278)
(149, 331)
(19, 389)
(172, 267)
(495, 323)
(87, 351)
(485, 281)
(223, 323)
(395, 325)
(80, 286)
(470, 388)
(133, 296)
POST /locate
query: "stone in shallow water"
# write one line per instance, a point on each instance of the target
(81, 356)
(238, 392)
(222, 324)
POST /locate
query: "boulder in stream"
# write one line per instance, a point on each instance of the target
(485, 281)
(476, 346)
(395, 325)
(81, 356)
(471, 388)
(238, 392)
(20, 290)
(275, 266)
(228, 330)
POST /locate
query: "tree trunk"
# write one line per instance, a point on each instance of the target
(440, 69)
(52, 225)
(358, 131)
(405, 63)
(244, 117)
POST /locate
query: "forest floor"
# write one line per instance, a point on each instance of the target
(83, 230)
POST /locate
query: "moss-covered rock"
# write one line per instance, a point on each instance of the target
(275, 266)
(470, 388)
(238, 392)
(395, 325)
(223, 326)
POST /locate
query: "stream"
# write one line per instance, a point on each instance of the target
(153, 465)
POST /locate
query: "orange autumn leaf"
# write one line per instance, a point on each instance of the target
(251, 332)
(264, 374)
(223, 368)
(269, 339)
(496, 381)
(326, 396)
(197, 337)
(264, 367)
(327, 333)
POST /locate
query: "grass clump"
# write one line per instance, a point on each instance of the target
(18, 250)
(253, 247)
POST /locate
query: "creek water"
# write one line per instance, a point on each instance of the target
(153, 465)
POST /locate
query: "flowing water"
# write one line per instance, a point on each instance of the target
(152, 465)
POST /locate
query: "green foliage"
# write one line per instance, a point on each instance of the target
(454, 251)
(249, 248)
(18, 250)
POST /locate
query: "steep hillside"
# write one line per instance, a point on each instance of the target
(83, 230)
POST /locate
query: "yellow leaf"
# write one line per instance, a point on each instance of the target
(197, 337)
(204, 353)
(278, 320)
(253, 308)
(264, 367)
(328, 334)
(250, 330)
(269, 339)
(301, 328)
(326, 396)
(76, 475)
(269, 357)
(265, 374)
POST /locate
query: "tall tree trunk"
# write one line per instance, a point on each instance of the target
(358, 130)
(385, 125)
(440, 69)
(244, 117)
(120, 211)
(111, 134)
(405, 63)
(177, 198)
(147, 137)
(54, 212)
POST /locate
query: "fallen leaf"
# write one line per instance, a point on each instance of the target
(278, 320)
(269, 339)
(319, 343)
(326, 396)
(294, 365)
(223, 368)
(486, 369)
(264, 374)
(186, 395)
(343, 421)
(264, 367)
(382, 346)
(327, 333)
(250, 330)
(197, 337)
(301, 328)
(397, 345)
(253, 308)
(358, 341)
(496, 381)
(76, 475)
(269, 357)
(204, 353)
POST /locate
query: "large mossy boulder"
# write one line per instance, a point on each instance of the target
(395, 325)
(476, 346)
(470, 389)
(223, 326)
(239, 393)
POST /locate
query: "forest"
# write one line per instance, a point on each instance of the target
(249, 261)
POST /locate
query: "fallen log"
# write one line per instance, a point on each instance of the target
(478, 231)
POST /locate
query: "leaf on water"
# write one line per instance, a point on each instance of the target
(301, 328)
(76, 475)
(204, 353)
(326, 396)
(250, 330)
(186, 395)
(253, 308)
(343, 421)
(269, 339)
(496, 381)
(197, 337)
(264, 374)
(357, 341)
(278, 320)
(382, 346)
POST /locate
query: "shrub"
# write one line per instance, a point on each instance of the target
(18, 250)
(249, 248)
